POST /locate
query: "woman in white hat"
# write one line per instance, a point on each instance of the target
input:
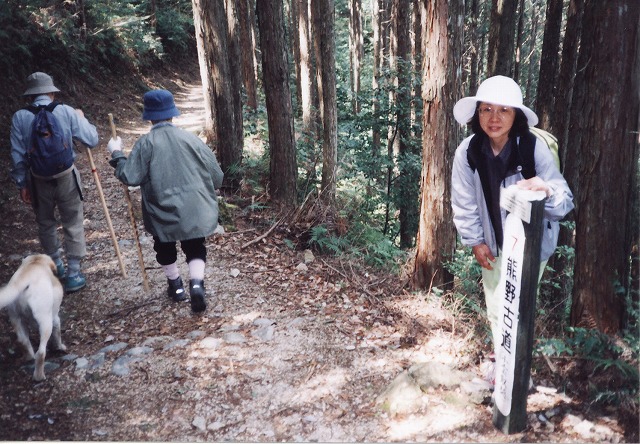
(501, 152)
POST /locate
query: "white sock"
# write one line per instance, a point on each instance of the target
(196, 269)
(171, 271)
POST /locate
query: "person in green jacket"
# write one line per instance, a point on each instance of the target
(178, 175)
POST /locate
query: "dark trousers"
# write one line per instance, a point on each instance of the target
(167, 252)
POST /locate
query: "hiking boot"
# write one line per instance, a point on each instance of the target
(61, 271)
(75, 283)
(176, 289)
(196, 291)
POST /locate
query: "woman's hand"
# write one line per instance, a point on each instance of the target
(534, 184)
(484, 256)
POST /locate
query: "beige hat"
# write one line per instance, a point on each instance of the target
(497, 90)
(39, 83)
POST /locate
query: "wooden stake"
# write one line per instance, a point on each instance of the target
(106, 213)
(145, 281)
(516, 420)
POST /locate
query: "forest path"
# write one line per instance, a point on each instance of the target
(292, 347)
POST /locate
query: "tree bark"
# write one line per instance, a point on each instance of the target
(355, 51)
(519, 42)
(501, 38)
(549, 63)
(442, 36)
(323, 19)
(295, 43)
(568, 67)
(416, 64)
(560, 128)
(235, 79)
(220, 85)
(201, 32)
(247, 43)
(375, 84)
(603, 158)
(531, 71)
(406, 195)
(282, 148)
(474, 44)
(307, 84)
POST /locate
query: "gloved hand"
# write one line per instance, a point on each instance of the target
(115, 144)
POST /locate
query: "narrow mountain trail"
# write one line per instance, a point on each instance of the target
(292, 346)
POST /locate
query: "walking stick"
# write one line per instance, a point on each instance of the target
(145, 281)
(106, 213)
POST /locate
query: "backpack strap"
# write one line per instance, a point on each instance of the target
(478, 161)
(526, 155)
(35, 109)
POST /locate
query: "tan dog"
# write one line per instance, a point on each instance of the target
(34, 287)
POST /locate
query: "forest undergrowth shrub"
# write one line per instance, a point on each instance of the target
(466, 297)
(360, 242)
(553, 304)
(609, 362)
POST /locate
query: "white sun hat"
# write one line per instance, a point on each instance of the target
(497, 90)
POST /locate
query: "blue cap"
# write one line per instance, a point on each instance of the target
(159, 105)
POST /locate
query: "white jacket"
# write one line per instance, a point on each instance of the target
(470, 213)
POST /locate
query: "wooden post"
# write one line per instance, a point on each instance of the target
(516, 419)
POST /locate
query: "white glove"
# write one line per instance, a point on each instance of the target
(115, 145)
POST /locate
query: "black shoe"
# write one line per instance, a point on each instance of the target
(176, 289)
(196, 291)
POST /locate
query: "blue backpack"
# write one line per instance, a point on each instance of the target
(48, 154)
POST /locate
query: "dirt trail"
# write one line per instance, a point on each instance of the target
(291, 347)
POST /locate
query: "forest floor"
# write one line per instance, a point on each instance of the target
(292, 346)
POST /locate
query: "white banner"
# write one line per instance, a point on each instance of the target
(509, 290)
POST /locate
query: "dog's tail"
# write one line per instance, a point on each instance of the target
(20, 281)
(10, 292)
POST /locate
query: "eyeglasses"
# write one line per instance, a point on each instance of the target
(502, 111)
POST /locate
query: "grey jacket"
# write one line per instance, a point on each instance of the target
(178, 175)
(470, 213)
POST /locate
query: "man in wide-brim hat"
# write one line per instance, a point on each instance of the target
(62, 190)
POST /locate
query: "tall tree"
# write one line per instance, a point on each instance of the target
(295, 44)
(219, 83)
(501, 38)
(355, 51)
(275, 68)
(549, 63)
(375, 77)
(442, 36)
(568, 67)
(323, 21)
(603, 135)
(202, 36)
(560, 127)
(530, 61)
(520, 35)
(473, 42)
(247, 43)
(307, 84)
(406, 191)
(416, 65)
(235, 80)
